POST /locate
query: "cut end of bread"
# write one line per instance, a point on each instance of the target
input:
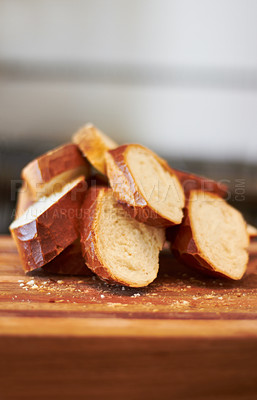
(219, 238)
(160, 188)
(146, 184)
(51, 171)
(125, 250)
(93, 144)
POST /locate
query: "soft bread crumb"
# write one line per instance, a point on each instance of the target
(161, 189)
(219, 231)
(128, 249)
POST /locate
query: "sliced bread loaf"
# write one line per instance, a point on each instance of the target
(116, 247)
(145, 185)
(93, 144)
(213, 236)
(49, 226)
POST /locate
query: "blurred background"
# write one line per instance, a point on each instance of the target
(179, 76)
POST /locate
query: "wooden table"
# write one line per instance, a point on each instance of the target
(184, 337)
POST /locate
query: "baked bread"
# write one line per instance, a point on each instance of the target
(97, 180)
(115, 246)
(145, 185)
(196, 182)
(93, 144)
(51, 171)
(252, 231)
(49, 225)
(69, 262)
(213, 236)
(24, 200)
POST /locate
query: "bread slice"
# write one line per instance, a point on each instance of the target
(93, 144)
(49, 225)
(145, 185)
(24, 200)
(51, 171)
(116, 247)
(69, 262)
(252, 231)
(213, 236)
(196, 182)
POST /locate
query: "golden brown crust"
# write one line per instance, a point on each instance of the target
(24, 200)
(126, 190)
(69, 262)
(46, 236)
(94, 144)
(39, 172)
(196, 182)
(185, 248)
(88, 232)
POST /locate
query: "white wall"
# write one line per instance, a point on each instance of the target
(177, 75)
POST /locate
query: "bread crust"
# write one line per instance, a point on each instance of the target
(131, 199)
(88, 232)
(94, 144)
(185, 248)
(47, 235)
(69, 262)
(41, 171)
(196, 182)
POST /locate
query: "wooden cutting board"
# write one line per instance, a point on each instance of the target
(186, 336)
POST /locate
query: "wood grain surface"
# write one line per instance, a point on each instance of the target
(186, 336)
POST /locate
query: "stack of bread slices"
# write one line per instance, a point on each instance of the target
(92, 206)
